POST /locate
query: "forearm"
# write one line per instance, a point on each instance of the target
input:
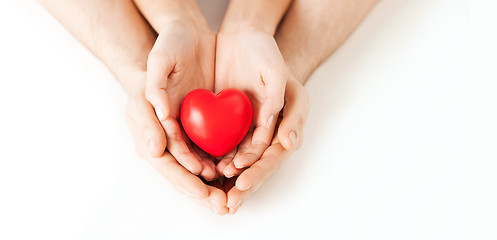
(264, 15)
(112, 29)
(313, 29)
(160, 13)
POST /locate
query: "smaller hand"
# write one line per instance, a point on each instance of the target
(145, 127)
(181, 60)
(250, 61)
(287, 139)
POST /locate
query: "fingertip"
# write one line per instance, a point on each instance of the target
(220, 168)
(196, 168)
(159, 112)
(242, 185)
(156, 147)
(229, 172)
(288, 139)
(238, 164)
(208, 173)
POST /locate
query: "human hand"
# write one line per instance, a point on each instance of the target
(287, 139)
(181, 60)
(249, 60)
(145, 127)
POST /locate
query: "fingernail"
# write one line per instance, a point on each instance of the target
(229, 174)
(237, 164)
(245, 189)
(293, 138)
(159, 113)
(269, 121)
(152, 145)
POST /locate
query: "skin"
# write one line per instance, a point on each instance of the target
(310, 32)
(248, 58)
(293, 46)
(181, 60)
(117, 20)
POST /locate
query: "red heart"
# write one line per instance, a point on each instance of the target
(216, 123)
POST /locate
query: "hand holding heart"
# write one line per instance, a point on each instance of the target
(187, 56)
(181, 61)
(250, 60)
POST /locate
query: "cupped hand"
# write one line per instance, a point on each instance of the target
(286, 140)
(181, 60)
(250, 60)
(145, 127)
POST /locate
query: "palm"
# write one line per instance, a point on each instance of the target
(182, 60)
(251, 62)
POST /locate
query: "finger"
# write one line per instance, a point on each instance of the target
(248, 155)
(208, 170)
(234, 196)
(217, 197)
(275, 83)
(159, 66)
(225, 161)
(150, 139)
(230, 170)
(178, 147)
(248, 151)
(235, 199)
(290, 130)
(216, 200)
(208, 167)
(256, 174)
(179, 176)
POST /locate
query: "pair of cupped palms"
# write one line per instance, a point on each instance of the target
(187, 57)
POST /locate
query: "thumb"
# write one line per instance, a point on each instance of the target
(159, 66)
(275, 82)
(295, 113)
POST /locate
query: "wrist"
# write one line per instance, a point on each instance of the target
(132, 78)
(184, 23)
(244, 25)
(161, 13)
(187, 13)
(260, 15)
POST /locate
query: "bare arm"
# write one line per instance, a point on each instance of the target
(263, 15)
(310, 32)
(160, 13)
(113, 30)
(313, 29)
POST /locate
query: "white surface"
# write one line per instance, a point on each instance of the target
(400, 141)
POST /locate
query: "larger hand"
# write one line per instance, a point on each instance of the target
(250, 60)
(145, 127)
(289, 138)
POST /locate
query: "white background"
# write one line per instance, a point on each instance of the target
(400, 142)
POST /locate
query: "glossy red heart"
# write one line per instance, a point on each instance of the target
(216, 123)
